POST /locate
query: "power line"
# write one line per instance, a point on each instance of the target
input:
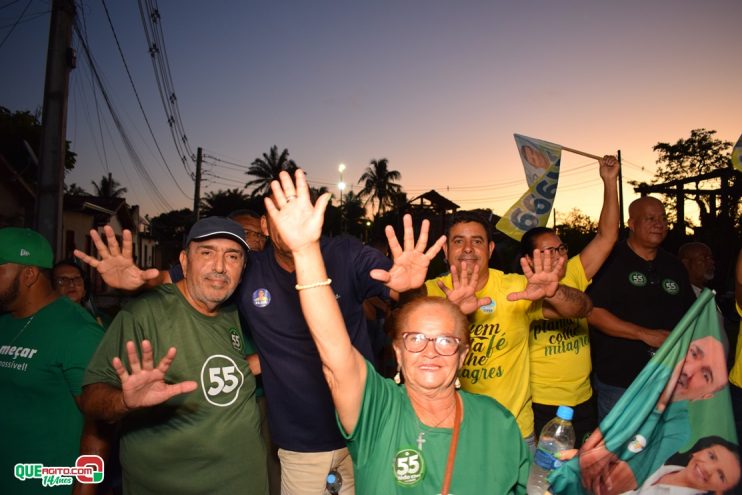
(9, 4)
(15, 23)
(163, 77)
(139, 101)
(131, 150)
(95, 99)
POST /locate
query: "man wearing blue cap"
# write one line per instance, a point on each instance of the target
(45, 344)
(189, 425)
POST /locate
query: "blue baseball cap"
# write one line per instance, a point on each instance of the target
(220, 227)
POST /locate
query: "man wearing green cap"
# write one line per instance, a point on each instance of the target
(46, 342)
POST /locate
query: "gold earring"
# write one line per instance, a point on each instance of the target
(457, 383)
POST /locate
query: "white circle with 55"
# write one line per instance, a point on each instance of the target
(221, 380)
(409, 467)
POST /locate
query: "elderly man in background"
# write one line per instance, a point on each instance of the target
(639, 295)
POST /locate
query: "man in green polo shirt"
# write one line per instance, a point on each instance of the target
(188, 425)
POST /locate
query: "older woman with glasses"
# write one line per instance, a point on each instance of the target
(425, 434)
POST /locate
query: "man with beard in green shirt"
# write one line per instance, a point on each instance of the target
(175, 438)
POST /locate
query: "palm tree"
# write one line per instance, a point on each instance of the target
(75, 190)
(267, 169)
(224, 202)
(353, 213)
(379, 186)
(108, 187)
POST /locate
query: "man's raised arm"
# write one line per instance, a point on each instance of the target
(144, 387)
(560, 301)
(116, 265)
(411, 262)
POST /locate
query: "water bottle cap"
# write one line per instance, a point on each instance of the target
(331, 478)
(565, 412)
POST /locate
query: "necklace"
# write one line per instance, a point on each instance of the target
(22, 330)
(421, 434)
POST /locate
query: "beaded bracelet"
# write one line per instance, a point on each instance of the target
(313, 285)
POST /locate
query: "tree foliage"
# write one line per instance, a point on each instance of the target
(171, 225)
(267, 168)
(108, 187)
(379, 186)
(699, 154)
(576, 229)
(20, 126)
(75, 190)
(224, 202)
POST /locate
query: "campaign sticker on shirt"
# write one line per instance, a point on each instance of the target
(637, 279)
(488, 308)
(671, 286)
(409, 467)
(261, 298)
(236, 339)
(637, 444)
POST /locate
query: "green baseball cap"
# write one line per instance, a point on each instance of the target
(25, 247)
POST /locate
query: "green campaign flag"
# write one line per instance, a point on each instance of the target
(673, 420)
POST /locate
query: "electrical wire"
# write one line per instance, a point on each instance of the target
(156, 195)
(18, 20)
(163, 76)
(139, 101)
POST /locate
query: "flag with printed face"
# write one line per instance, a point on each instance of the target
(673, 430)
(541, 165)
(737, 154)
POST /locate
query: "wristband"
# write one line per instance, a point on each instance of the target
(313, 285)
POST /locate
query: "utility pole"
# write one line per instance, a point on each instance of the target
(197, 190)
(620, 192)
(60, 59)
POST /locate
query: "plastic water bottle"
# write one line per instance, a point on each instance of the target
(557, 435)
(334, 482)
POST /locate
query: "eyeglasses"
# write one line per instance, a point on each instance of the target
(62, 281)
(445, 345)
(562, 249)
(254, 235)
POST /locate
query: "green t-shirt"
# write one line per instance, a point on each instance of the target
(394, 453)
(42, 361)
(207, 441)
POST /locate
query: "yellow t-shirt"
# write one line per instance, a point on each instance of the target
(735, 376)
(560, 352)
(497, 364)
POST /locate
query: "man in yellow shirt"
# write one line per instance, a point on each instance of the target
(500, 310)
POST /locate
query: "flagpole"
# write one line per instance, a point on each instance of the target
(594, 157)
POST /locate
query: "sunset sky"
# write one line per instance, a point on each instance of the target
(436, 87)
